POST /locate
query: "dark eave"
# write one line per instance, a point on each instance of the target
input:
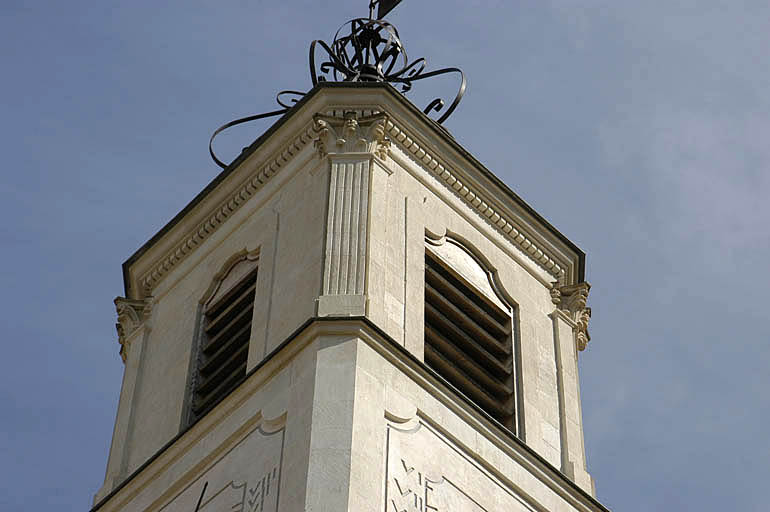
(280, 122)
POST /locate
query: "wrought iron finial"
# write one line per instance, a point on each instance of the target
(372, 52)
(363, 50)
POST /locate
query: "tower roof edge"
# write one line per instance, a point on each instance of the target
(322, 97)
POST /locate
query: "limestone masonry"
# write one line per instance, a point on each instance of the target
(349, 374)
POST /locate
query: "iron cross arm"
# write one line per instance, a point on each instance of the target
(383, 7)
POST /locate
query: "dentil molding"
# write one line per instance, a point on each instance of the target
(337, 133)
(225, 210)
(475, 200)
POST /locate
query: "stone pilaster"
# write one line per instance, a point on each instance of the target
(350, 144)
(133, 326)
(570, 331)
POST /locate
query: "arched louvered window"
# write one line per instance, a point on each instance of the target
(468, 340)
(224, 336)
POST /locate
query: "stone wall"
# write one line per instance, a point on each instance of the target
(338, 208)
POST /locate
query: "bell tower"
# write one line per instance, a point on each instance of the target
(354, 315)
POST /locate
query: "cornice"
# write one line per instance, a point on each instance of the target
(383, 134)
(476, 200)
(224, 210)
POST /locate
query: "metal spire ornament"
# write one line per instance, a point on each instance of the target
(363, 50)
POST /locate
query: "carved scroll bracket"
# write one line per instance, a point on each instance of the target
(571, 300)
(352, 134)
(132, 316)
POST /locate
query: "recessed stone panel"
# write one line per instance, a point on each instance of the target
(246, 479)
(426, 472)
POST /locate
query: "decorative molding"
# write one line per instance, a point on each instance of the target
(471, 265)
(475, 201)
(132, 315)
(224, 210)
(227, 267)
(572, 301)
(337, 132)
(354, 132)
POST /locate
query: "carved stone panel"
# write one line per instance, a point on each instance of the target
(426, 472)
(245, 479)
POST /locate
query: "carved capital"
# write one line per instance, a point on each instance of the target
(572, 300)
(555, 294)
(132, 314)
(574, 297)
(352, 134)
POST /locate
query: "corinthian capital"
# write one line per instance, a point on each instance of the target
(132, 314)
(351, 133)
(572, 301)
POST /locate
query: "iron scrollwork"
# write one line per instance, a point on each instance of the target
(373, 52)
(363, 50)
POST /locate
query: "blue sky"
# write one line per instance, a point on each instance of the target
(640, 129)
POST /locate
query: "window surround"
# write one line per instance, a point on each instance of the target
(458, 259)
(240, 266)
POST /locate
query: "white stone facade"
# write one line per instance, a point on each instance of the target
(338, 205)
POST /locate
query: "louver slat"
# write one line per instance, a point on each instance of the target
(226, 350)
(226, 332)
(228, 311)
(456, 295)
(466, 386)
(222, 372)
(203, 403)
(463, 321)
(465, 363)
(439, 322)
(468, 341)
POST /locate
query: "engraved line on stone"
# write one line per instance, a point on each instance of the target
(330, 228)
(363, 223)
(354, 225)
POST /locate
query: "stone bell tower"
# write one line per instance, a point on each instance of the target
(354, 315)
